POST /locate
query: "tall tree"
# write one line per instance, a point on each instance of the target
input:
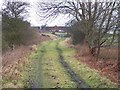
(98, 18)
(15, 9)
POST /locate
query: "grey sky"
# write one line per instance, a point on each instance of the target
(35, 20)
(60, 20)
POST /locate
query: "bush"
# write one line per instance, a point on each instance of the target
(76, 34)
(15, 32)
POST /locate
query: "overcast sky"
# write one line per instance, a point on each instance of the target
(35, 20)
(59, 21)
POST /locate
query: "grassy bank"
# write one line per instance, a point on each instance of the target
(90, 76)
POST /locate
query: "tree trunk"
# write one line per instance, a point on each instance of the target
(98, 52)
(93, 51)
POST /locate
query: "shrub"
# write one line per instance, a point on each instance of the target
(77, 36)
(15, 32)
(76, 33)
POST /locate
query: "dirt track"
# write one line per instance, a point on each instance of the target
(80, 82)
(35, 82)
(54, 66)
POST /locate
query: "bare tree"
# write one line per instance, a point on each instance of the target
(15, 9)
(13, 24)
(98, 19)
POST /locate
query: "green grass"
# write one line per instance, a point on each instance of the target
(47, 71)
(91, 76)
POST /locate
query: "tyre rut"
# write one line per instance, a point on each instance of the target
(80, 82)
(35, 83)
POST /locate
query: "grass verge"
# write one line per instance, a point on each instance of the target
(91, 76)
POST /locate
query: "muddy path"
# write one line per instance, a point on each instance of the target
(80, 82)
(54, 66)
(37, 81)
(34, 80)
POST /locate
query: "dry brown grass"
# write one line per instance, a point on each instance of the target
(107, 64)
(82, 50)
(19, 52)
(105, 53)
(14, 61)
(109, 53)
